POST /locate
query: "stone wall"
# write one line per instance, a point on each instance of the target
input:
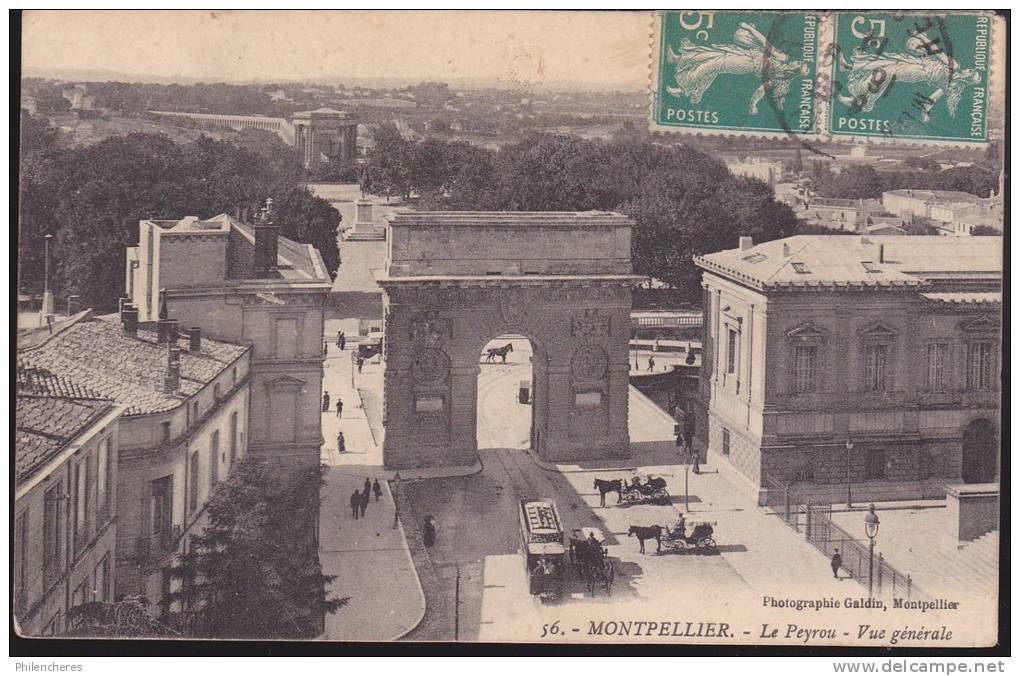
(434, 337)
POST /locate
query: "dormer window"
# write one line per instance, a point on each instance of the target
(800, 268)
(870, 266)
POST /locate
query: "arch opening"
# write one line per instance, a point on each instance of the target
(506, 395)
(980, 452)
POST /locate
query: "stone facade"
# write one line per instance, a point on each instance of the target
(80, 539)
(325, 135)
(207, 272)
(790, 373)
(443, 305)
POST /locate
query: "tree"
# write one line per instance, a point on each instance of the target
(306, 218)
(254, 571)
(985, 231)
(922, 163)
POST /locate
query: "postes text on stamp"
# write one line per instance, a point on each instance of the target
(746, 72)
(911, 76)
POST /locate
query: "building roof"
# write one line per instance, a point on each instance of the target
(129, 370)
(966, 297)
(295, 261)
(851, 261)
(510, 219)
(843, 203)
(936, 196)
(45, 423)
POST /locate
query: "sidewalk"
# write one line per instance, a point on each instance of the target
(369, 556)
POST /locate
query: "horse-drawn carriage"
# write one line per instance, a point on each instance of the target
(542, 546)
(652, 489)
(676, 539)
(591, 559)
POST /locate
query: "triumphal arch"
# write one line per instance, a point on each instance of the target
(455, 280)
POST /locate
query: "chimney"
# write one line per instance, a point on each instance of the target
(172, 380)
(881, 253)
(195, 339)
(745, 242)
(266, 241)
(129, 319)
(166, 332)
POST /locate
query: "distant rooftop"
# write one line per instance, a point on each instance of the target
(937, 195)
(128, 370)
(847, 260)
(509, 219)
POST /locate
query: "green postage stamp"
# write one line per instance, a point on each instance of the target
(911, 76)
(737, 72)
(830, 76)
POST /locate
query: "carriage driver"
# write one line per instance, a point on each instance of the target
(680, 529)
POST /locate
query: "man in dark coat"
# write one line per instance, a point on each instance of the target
(376, 490)
(355, 503)
(837, 563)
(325, 402)
(339, 407)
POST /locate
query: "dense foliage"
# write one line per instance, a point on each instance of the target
(92, 198)
(864, 181)
(254, 570)
(684, 202)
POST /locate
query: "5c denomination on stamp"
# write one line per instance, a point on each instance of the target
(915, 76)
(737, 72)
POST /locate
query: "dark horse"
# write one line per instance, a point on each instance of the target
(647, 533)
(604, 487)
(501, 352)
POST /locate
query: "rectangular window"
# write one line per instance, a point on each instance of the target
(937, 366)
(166, 432)
(875, 465)
(875, 367)
(101, 579)
(980, 366)
(104, 478)
(233, 438)
(82, 489)
(193, 481)
(214, 460)
(20, 554)
(53, 536)
(725, 441)
(194, 412)
(805, 359)
(161, 511)
(731, 351)
(286, 339)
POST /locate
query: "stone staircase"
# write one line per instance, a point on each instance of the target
(973, 567)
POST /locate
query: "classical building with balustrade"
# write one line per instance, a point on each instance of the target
(872, 361)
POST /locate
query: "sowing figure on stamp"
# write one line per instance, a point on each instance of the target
(697, 66)
(871, 75)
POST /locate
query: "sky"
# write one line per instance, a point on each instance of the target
(508, 48)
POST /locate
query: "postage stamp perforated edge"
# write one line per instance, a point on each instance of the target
(657, 62)
(824, 83)
(994, 88)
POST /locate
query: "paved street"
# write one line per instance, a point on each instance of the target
(478, 532)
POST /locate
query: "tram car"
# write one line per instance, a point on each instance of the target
(543, 548)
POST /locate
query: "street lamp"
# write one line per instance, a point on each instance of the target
(849, 498)
(871, 529)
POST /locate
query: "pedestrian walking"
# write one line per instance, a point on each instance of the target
(339, 407)
(837, 563)
(368, 486)
(325, 401)
(361, 363)
(376, 490)
(341, 444)
(681, 441)
(342, 341)
(363, 503)
(696, 460)
(651, 363)
(355, 503)
(325, 348)
(428, 532)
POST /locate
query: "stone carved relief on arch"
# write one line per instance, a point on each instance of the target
(430, 367)
(589, 363)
